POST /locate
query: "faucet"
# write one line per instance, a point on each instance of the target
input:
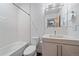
(55, 32)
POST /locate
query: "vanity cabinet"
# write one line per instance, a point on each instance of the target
(59, 49)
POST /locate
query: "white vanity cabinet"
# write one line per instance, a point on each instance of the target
(60, 47)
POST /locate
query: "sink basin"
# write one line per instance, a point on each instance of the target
(59, 36)
(54, 36)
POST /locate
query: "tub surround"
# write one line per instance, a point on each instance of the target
(59, 45)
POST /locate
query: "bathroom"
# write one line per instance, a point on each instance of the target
(39, 29)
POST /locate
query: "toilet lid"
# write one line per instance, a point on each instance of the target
(30, 50)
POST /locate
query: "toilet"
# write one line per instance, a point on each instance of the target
(31, 49)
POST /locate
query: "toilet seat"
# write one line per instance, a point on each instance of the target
(30, 50)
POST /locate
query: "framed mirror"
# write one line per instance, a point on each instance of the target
(53, 16)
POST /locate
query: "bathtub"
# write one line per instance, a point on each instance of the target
(14, 49)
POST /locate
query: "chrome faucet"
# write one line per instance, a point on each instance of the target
(55, 32)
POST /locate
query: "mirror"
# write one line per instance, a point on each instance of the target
(53, 15)
(61, 15)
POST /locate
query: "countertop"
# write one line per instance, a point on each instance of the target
(65, 39)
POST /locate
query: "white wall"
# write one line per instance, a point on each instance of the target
(14, 24)
(74, 22)
(37, 20)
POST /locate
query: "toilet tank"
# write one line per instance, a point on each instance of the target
(35, 40)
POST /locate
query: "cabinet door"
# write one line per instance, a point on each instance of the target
(69, 50)
(49, 49)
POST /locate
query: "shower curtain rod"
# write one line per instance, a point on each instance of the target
(21, 9)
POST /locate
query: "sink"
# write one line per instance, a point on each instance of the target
(59, 36)
(53, 36)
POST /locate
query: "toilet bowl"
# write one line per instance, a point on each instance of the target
(31, 50)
